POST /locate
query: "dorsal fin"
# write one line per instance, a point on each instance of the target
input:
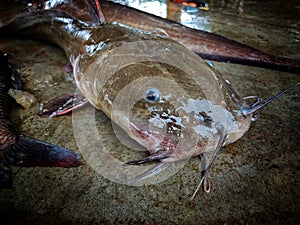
(95, 11)
(87, 10)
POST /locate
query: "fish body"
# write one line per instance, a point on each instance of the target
(207, 45)
(159, 92)
(17, 149)
(143, 56)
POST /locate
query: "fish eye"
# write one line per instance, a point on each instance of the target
(152, 95)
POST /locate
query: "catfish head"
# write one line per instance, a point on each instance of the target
(164, 97)
(167, 99)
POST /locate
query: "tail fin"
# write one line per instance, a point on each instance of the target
(27, 152)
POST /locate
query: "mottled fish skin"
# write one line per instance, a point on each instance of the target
(17, 149)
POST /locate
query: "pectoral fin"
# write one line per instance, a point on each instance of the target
(62, 105)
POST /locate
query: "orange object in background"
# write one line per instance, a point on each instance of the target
(193, 3)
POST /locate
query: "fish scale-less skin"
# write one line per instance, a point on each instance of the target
(139, 55)
(207, 45)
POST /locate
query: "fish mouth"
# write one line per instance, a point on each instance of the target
(162, 143)
(165, 151)
(157, 144)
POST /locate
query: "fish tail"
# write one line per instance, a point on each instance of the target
(27, 152)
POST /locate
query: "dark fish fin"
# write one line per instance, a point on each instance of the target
(27, 152)
(5, 175)
(87, 10)
(62, 105)
(95, 11)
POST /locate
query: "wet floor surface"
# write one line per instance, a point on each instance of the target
(255, 180)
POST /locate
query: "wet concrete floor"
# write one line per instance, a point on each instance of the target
(255, 180)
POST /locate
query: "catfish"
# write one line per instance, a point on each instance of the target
(163, 95)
